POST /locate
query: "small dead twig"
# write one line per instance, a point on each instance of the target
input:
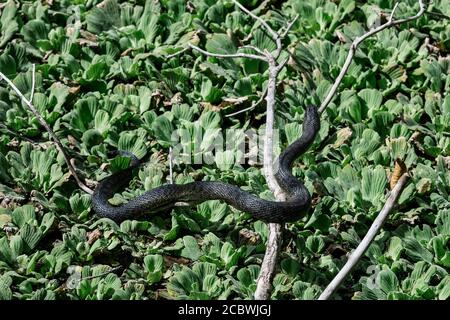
(248, 46)
(170, 56)
(170, 165)
(230, 55)
(254, 105)
(289, 27)
(33, 82)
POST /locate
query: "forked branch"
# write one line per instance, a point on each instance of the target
(358, 40)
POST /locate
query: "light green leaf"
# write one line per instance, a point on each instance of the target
(387, 280)
(191, 249)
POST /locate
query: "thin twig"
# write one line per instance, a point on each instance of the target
(170, 56)
(254, 105)
(368, 238)
(170, 165)
(18, 134)
(260, 20)
(391, 17)
(55, 139)
(438, 14)
(283, 63)
(252, 48)
(358, 40)
(275, 35)
(33, 81)
(289, 27)
(232, 55)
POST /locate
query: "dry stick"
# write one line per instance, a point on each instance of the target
(358, 40)
(255, 104)
(248, 46)
(50, 132)
(33, 81)
(368, 238)
(177, 53)
(273, 34)
(289, 27)
(274, 241)
(232, 55)
(171, 165)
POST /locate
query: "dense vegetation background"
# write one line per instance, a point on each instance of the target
(104, 82)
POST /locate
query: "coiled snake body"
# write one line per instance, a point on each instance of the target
(297, 202)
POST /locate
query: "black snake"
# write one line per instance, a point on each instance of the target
(298, 199)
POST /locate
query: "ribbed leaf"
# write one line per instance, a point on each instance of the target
(149, 20)
(8, 65)
(373, 184)
(23, 215)
(101, 122)
(387, 280)
(34, 30)
(31, 236)
(163, 129)
(225, 160)
(191, 249)
(5, 291)
(133, 142)
(372, 98)
(154, 265)
(416, 251)
(9, 26)
(104, 17)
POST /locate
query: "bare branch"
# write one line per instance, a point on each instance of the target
(391, 17)
(268, 136)
(260, 20)
(391, 22)
(283, 63)
(273, 246)
(55, 139)
(368, 238)
(252, 48)
(33, 81)
(170, 56)
(289, 27)
(170, 165)
(17, 134)
(438, 14)
(275, 35)
(254, 105)
(233, 55)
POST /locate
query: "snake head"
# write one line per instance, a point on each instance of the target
(134, 160)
